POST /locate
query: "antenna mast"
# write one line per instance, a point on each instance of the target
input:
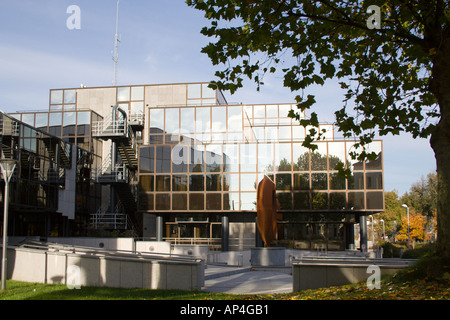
(116, 46)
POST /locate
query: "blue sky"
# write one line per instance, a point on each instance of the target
(160, 43)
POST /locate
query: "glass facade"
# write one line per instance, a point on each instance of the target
(182, 153)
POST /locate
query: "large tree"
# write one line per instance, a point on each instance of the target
(392, 59)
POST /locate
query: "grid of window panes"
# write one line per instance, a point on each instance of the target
(200, 159)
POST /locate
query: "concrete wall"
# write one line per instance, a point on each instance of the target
(323, 275)
(97, 270)
(123, 244)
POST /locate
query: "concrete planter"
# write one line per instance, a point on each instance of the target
(268, 257)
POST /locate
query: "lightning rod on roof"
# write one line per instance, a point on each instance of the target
(116, 46)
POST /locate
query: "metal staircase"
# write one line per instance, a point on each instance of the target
(118, 170)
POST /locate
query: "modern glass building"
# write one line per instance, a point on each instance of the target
(183, 166)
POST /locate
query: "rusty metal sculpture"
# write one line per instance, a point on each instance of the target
(266, 210)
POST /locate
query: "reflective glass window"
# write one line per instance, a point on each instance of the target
(28, 118)
(213, 201)
(162, 201)
(213, 182)
(298, 132)
(231, 201)
(70, 96)
(137, 93)
(234, 119)
(194, 91)
(162, 183)
(301, 201)
(196, 182)
(147, 159)
(337, 201)
(271, 133)
(300, 157)
(336, 154)
(163, 159)
(180, 158)
(301, 181)
(187, 120)
(231, 182)
(259, 111)
(231, 157)
(56, 97)
(157, 118)
(283, 156)
(146, 183)
(136, 107)
(319, 157)
(248, 158)
(219, 118)
(213, 158)
(283, 181)
(285, 200)
(375, 200)
(284, 133)
(356, 200)
(265, 157)
(272, 111)
(203, 119)
(337, 182)
(41, 120)
(374, 180)
(172, 120)
(319, 201)
(353, 164)
(248, 182)
(208, 93)
(284, 110)
(179, 201)
(375, 164)
(248, 201)
(146, 201)
(179, 183)
(356, 181)
(319, 181)
(196, 201)
(123, 94)
(197, 162)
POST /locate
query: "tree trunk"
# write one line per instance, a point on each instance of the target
(440, 142)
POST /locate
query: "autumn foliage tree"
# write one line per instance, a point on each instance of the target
(391, 58)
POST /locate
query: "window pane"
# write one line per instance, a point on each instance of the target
(375, 200)
(213, 182)
(123, 94)
(301, 181)
(213, 158)
(179, 201)
(172, 120)
(41, 120)
(84, 118)
(179, 183)
(146, 201)
(319, 157)
(319, 201)
(146, 159)
(203, 120)
(283, 156)
(137, 107)
(248, 182)
(162, 183)
(207, 92)
(231, 182)
(301, 201)
(231, 201)
(234, 119)
(180, 158)
(137, 93)
(162, 201)
(265, 157)
(336, 182)
(248, 201)
(248, 157)
(213, 201)
(197, 162)
(356, 200)
(56, 97)
(219, 117)
(353, 164)
(285, 200)
(319, 181)
(283, 182)
(374, 180)
(298, 132)
(336, 151)
(231, 158)
(187, 120)
(272, 111)
(146, 183)
(337, 201)
(163, 159)
(194, 91)
(196, 182)
(284, 133)
(259, 111)
(375, 164)
(28, 118)
(70, 96)
(157, 119)
(196, 201)
(356, 181)
(55, 119)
